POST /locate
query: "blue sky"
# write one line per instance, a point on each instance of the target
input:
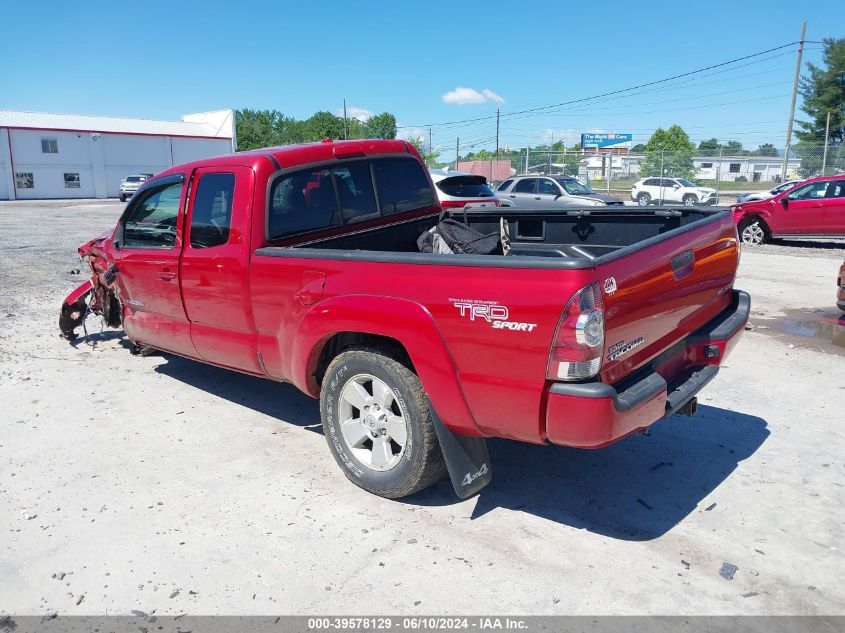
(161, 60)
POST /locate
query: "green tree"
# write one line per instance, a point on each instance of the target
(733, 148)
(380, 126)
(766, 149)
(430, 158)
(823, 91)
(257, 128)
(673, 150)
(639, 148)
(709, 147)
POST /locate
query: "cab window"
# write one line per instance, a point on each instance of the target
(152, 221)
(211, 217)
(402, 185)
(302, 201)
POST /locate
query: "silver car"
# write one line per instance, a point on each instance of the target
(765, 195)
(130, 184)
(552, 191)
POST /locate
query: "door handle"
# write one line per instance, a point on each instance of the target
(512, 196)
(536, 197)
(167, 275)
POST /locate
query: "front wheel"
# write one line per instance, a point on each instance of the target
(752, 232)
(122, 198)
(377, 422)
(690, 200)
(643, 199)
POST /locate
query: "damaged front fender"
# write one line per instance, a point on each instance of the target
(96, 295)
(74, 310)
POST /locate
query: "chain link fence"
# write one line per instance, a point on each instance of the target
(731, 175)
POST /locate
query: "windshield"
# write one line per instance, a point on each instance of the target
(466, 187)
(686, 183)
(575, 187)
(135, 179)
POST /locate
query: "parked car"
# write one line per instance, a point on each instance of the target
(840, 293)
(552, 191)
(763, 195)
(814, 209)
(301, 264)
(130, 184)
(648, 191)
(456, 189)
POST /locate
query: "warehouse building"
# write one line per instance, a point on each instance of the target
(79, 156)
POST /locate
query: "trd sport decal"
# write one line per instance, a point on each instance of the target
(490, 312)
(618, 349)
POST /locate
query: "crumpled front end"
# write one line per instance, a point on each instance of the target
(95, 296)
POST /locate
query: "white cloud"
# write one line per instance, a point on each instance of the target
(353, 112)
(492, 96)
(464, 96)
(412, 133)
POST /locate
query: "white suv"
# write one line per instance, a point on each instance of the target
(661, 190)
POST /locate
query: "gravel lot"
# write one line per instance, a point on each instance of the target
(162, 484)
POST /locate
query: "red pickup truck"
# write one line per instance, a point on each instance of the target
(301, 264)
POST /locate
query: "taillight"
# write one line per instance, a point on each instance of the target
(579, 340)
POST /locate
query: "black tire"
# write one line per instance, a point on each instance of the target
(753, 232)
(643, 199)
(122, 198)
(690, 200)
(421, 463)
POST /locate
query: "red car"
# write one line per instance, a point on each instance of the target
(302, 264)
(813, 209)
(840, 290)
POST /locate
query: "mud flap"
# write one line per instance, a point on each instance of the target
(467, 459)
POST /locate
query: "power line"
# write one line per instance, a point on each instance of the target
(612, 92)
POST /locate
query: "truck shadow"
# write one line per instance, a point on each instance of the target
(281, 401)
(636, 489)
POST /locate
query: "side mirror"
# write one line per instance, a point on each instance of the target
(676, 186)
(785, 201)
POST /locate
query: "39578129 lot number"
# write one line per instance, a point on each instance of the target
(414, 623)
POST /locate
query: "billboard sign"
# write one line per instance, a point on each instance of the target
(592, 141)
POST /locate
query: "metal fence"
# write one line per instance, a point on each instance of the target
(731, 174)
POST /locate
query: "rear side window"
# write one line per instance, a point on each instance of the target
(402, 185)
(152, 221)
(525, 186)
(466, 187)
(505, 184)
(211, 217)
(302, 201)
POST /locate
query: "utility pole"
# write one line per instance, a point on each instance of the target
(497, 135)
(430, 150)
(457, 152)
(527, 154)
(345, 126)
(792, 104)
(826, 135)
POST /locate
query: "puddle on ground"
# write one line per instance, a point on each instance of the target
(822, 329)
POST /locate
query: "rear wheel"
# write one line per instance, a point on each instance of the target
(643, 199)
(752, 231)
(690, 200)
(377, 422)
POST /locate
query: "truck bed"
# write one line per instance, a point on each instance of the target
(572, 239)
(665, 273)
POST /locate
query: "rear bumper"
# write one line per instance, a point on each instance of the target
(591, 415)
